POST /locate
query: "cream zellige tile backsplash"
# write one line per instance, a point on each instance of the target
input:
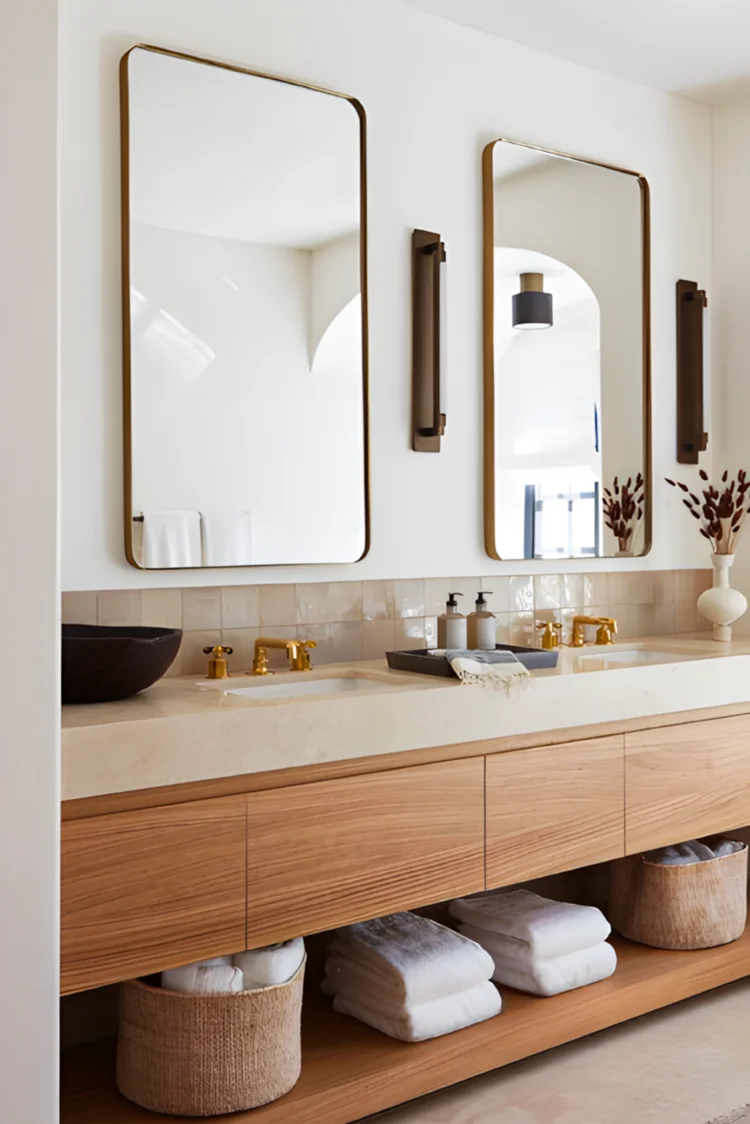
(362, 620)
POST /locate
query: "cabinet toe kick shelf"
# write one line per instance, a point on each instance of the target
(350, 1071)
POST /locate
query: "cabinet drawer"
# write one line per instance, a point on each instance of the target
(684, 781)
(554, 809)
(151, 889)
(334, 852)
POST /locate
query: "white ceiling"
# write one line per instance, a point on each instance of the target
(234, 156)
(700, 48)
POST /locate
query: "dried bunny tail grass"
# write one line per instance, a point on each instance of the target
(722, 511)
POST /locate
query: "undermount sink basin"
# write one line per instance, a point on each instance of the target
(307, 687)
(625, 656)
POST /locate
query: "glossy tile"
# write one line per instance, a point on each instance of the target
(665, 619)
(161, 608)
(277, 605)
(201, 609)
(242, 643)
(240, 606)
(595, 589)
(377, 601)
(79, 608)
(377, 639)
(339, 642)
(691, 583)
(633, 621)
(548, 591)
(409, 598)
(191, 659)
(521, 595)
(521, 629)
(631, 588)
(436, 592)
(328, 602)
(665, 587)
(409, 632)
(502, 628)
(499, 598)
(119, 607)
(573, 589)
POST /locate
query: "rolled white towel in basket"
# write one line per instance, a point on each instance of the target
(549, 928)
(416, 958)
(206, 977)
(270, 966)
(518, 967)
(420, 1021)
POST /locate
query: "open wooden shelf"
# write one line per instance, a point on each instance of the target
(350, 1071)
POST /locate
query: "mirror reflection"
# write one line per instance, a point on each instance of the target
(566, 357)
(246, 367)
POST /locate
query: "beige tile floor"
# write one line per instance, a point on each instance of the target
(686, 1065)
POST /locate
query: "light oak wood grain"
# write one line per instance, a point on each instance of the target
(686, 781)
(554, 809)
(143, 891)
(360, 766)
(350, 1071)
(327, 854)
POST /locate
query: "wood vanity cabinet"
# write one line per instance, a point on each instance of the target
(554, 809)
(146, 890)
(333, 852)
(686, 781)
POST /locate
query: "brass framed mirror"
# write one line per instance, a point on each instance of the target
(244, 273)
(567, 380)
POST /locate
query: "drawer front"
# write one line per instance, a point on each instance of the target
(684, 781)
(147, 890)
(339, 851)
(554, 809)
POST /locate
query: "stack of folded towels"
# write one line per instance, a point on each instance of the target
(539, 946)
(410, 977)
(247, 971)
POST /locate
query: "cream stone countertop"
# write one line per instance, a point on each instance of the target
(180, 731)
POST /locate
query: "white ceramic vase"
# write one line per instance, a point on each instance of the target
(722, 605)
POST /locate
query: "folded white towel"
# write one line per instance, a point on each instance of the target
(500, 671)
(549, 928)
(517, 967)
(171, 539)
(694, 851)
(275, 964)
(430, 1019)
(226, 538)
(204, 977)
(418, 958)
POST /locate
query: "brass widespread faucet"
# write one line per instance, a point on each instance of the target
(606, 626)
(297, 650)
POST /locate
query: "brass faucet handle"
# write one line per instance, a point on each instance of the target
(218, 667)
(550, 634)
(260, 663)
(607, 626)
(301, 655)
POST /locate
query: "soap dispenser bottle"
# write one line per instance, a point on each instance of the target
(481, 625)
(452, 625)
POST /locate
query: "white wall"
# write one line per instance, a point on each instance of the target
(435, 94)
(730, 437)
(29, 654)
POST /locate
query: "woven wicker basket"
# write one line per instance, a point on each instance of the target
(701, 905)
(203, 1055)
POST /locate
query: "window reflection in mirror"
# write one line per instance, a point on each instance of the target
(246, 367)
(566, 357)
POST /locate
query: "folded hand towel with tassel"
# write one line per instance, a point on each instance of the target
(415, 957)
(549, 928)
(418, 1022)
(204, 978)
(270, 966)
(518, 967)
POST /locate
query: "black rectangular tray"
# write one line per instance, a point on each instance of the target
(420, 661)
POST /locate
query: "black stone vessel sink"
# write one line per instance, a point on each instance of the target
(102, 663)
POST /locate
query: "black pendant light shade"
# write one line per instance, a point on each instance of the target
(532, 308)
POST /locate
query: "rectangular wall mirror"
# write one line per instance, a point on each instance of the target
(245, 317)
(566, 356)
